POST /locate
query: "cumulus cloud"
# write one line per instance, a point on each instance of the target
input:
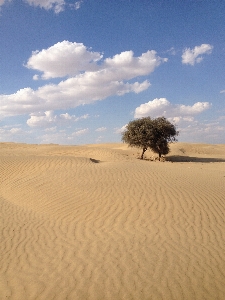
(48, 119)
(193, 56)
(120, 130)
(185, 117)
(58, 137)
(69, 59)
(70, 93)
(109, 78)
(11, 133)
(51, 129)
(63, 59)
(36, 77)
(81, 132)
(99, 139)
(56, 5)
(2, 2)
(100, 129)
(52, 135)
(126, 66)
(162, 107)
(76, 5)
(15, 130)
(208, 132)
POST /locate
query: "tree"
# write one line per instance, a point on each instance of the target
(146, 133)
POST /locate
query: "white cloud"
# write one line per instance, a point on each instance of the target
(52, 135)
(81, 132)
(120, 130)
(182, 115)
(179, 120)
(140, 87)
(56, 5)
(51, 129)
(63, 59)
(171, 51)
(76, 5)
(73, 92)
(192, 56)
(48, 119)
(109, 78)
(11, 134)
(2, 2)
(126, 66)
(100, 129)
(222, 92)
(10, 126)
(204, 132)
(197, 108)
(69, 59)
(73, 118)
(162, 107)
(36, 77)
(15, 130)
(99, 139)
(24, 101)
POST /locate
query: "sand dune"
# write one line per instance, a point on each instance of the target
(95, 222)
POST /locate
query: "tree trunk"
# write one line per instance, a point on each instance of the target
(160, 154)
(143, 151)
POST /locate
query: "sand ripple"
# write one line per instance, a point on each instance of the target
(97, 223)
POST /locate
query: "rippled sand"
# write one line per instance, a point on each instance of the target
(95, 222)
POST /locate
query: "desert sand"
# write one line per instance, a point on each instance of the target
(95, 222)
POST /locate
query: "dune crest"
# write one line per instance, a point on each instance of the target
(94, 222)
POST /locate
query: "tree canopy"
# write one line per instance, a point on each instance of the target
(154, 134)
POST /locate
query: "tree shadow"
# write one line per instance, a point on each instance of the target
(182, 158)
(96, 161)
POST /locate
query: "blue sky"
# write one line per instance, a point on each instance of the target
(76, 72)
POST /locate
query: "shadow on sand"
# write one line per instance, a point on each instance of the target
(181, 158)
(96, 161)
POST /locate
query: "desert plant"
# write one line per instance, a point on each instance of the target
(155, 134)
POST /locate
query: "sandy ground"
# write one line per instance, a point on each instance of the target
(95, 222)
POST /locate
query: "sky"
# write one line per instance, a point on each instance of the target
(76, 72)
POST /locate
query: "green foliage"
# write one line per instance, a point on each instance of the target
(150, 133)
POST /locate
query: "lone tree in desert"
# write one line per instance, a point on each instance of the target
(155, 134)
